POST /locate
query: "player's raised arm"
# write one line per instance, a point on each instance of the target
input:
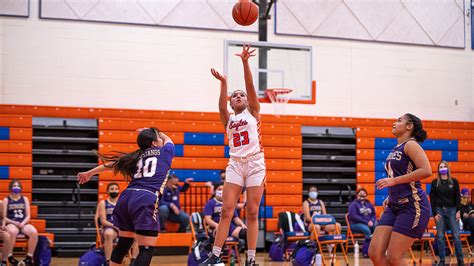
(254, 104)
(224, 113)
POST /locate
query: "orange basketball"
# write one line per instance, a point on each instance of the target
(245, 12)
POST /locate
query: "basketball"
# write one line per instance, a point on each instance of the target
(245, 12)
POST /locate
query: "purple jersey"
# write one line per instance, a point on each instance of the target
(315, 207)
(397, 164)
(109, 209)
(213, 208)
(16, 209)
(152, 168)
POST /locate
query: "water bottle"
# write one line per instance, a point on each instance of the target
(232, 260)
(356, 249)
(319, 260)
(461, 225)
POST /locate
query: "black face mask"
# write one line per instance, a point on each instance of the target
(113, 195)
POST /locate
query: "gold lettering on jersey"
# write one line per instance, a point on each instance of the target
(16, 206)
(236, 125)
(397, 155)
(149, 153)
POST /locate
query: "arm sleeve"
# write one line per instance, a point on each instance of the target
(433, 198)
(184, 187)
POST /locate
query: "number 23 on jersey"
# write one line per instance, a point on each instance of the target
(241, 139)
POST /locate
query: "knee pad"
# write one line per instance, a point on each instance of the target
(145, 255)
(243, 234)
(123, 246)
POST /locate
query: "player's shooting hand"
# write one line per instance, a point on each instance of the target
(218, 76)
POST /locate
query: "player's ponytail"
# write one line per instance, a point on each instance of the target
(419, 133)
(126, 163)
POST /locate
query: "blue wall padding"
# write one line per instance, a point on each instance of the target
(203, 138)
(198, 175)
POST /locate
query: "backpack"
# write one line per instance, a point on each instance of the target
(93, 257)
(277, 249)
(200, 251)
(42, 256)
(304, 253)
(289, 222)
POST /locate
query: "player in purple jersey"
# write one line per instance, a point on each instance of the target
(407, 210)
(17, 210)
(136, 210)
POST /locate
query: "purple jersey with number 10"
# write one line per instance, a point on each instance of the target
(152, 168)
(137, 207)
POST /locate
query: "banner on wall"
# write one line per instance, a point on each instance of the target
(15, 8)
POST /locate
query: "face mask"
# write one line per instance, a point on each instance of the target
(443, 171)
(16, 190)
(362, 198)
(113, 195)
(219, 193)
(313, 195)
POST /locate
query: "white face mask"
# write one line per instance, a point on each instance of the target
(313, 195)
(219, 193)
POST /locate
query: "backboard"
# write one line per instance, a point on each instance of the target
(275, 66)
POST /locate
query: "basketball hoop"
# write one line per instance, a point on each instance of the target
(279, 99)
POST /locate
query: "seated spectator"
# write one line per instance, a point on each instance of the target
(467, 213)
(314, 206)
(4, 236)
(17, 209)
(362, 214)
(169, 207)
(212, 215)
(108, 230)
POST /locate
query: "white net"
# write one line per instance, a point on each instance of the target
(279, 99)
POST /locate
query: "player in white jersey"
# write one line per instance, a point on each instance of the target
(246, 166)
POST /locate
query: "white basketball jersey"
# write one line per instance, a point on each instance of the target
(243, 132)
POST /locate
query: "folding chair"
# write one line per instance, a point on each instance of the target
(98, 229)
(336, 239)
(351, 236)
(198, 228)
(463, 235)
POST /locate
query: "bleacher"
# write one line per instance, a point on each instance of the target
(16, 163)
(202, 152)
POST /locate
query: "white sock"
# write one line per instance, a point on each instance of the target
(216, 251)
(250, 254)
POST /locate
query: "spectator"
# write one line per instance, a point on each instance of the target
(314, 206)
(362, 214)
(17, 209)
(212, 215)
(467, 213)
(445, 200)
(4, 236)
(169, 209)
(108, 230)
